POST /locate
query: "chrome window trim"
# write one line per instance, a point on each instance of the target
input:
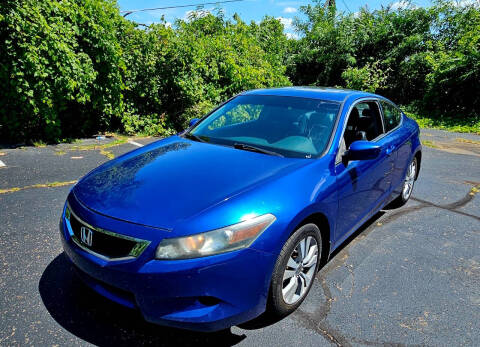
(143, 243)
(338, 159)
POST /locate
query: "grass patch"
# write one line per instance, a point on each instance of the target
(475, 190)
(429, 143)
(468, 141)
(40, 185)
(108, 154)
(60, 152)
(119, 140)
(114, 143)
(459, 125)
(70, 140)
(39, 144)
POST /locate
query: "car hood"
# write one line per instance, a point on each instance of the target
(174, 179)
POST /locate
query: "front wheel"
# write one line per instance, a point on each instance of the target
(295, 270)
(408, 184)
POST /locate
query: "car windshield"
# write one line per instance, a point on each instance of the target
(288, 126)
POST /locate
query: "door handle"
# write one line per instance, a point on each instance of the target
(389, 150)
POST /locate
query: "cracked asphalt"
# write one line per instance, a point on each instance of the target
(410, 276)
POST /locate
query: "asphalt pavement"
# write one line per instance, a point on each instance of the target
(410, 276)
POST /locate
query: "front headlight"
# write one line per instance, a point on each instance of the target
(217, 241)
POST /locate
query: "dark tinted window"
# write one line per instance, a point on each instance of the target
(391, 115)
(291, 126)
(364, 123)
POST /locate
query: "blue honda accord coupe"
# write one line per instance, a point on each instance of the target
(211, 227)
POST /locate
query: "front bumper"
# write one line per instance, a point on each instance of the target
(206, 294)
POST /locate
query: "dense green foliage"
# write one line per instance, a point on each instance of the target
(75, 67)
(176, 75)
(72, 68)
(60, 67)
(425, 58)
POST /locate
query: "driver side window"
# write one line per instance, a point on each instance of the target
(364, 123)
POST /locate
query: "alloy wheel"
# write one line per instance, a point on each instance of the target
(409, 180)
(300, 270)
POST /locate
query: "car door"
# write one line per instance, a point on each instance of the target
(398, 140)
(362, 184)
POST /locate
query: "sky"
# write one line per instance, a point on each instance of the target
(248, 10)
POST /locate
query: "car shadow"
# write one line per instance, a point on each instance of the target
(99, 321)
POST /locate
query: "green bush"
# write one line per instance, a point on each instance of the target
(427, 58)
(181, 73)
(60, 68)
(453, 88)
(372, 50)
(72, 68)
(211, 60)
(369, 78)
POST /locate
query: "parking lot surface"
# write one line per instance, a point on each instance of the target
(410, 276)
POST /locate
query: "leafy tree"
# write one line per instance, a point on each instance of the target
(452, 85)
(339, 49)
(74, 67)
(60, 63)
(208, 60)
(326, 47)
(368, 78)
(145, 54)
(398, 40)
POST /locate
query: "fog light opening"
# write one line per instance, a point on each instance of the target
(208, 300)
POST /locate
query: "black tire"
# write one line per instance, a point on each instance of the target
(402, 199)
(276, 303)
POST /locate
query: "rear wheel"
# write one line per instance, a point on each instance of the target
(408, 184)
(295, 270)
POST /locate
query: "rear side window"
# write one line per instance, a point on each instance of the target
(391, 114)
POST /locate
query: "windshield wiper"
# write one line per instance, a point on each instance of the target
(251, 148)
(194, 137)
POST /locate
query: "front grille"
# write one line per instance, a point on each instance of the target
(104, 243)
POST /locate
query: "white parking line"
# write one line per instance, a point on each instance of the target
(2, 164)
(135, 143)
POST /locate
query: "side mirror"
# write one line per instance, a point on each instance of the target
(363, 150)
(193, 122)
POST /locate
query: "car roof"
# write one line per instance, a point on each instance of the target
(322, 93)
